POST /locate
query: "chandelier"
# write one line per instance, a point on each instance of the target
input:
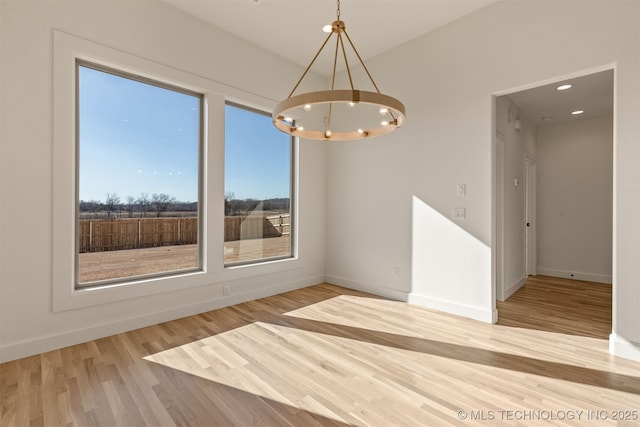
(338, 114)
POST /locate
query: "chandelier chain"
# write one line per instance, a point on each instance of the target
(338, 10)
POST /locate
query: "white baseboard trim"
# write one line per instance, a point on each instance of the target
(394, 294)
(513, 288)
(472, 312)
(577, 275)
(27, 348)
(621, 347)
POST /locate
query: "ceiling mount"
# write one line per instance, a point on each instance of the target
(362, 114)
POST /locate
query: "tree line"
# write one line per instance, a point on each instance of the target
(143, 205)
(155, 204)
(236, 207)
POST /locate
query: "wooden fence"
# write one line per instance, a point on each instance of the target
(113, 235)
(281, 222)
(255, 227)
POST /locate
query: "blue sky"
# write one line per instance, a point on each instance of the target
(137, 138)
(257, 156)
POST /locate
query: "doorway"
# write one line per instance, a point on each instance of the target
(546, 172)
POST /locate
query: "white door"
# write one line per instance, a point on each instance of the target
(500, 274)
(531, 261)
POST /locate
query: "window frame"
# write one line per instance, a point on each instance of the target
(79, 62)
(293, 144)
(66, 50)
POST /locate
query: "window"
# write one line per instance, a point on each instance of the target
(138, 183)
(94, 146)
(258, 188)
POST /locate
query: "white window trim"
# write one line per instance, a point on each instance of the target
(200, 147)
(293, 185)
(68, 48)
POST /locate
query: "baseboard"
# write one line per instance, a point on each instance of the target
(489, 316)
(40, 345)
(513, 288)
(394, 294)
(464, 310)
(621, 347)
(577, 275)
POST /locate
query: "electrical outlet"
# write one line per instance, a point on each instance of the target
(226, 289)
(396, 272)
(459, 213)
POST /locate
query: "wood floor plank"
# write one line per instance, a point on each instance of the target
(329, 356)
(560, 305)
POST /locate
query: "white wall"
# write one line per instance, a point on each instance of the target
(157, 32)
(575, 183)
(517, 144)
(446, 79)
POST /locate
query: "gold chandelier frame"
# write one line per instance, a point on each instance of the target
(392, 110)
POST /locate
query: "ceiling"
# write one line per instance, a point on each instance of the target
(592, 93)
(293, 28)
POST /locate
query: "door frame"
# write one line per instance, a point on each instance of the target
(499, 216)
(530, 205)
(497, 251)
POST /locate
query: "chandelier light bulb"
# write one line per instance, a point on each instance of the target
(327, 133)
(307, 107)
(383, 111)
(384, 123)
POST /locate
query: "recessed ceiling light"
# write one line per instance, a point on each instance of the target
(563, 87)
(575, 113)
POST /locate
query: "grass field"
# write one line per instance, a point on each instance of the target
(99, 266)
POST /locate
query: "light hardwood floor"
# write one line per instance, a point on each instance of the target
(559, 305)
(323, 355)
